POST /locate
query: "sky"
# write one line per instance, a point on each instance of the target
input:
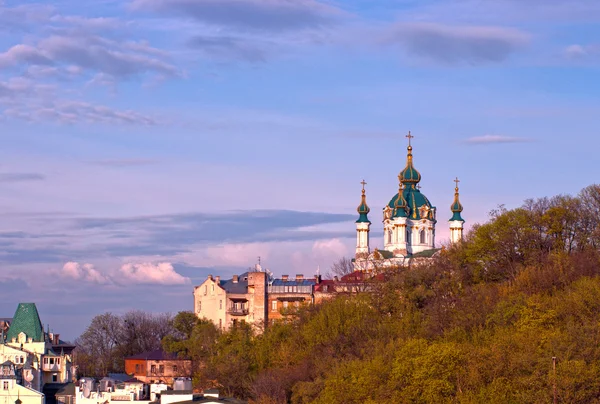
(145, 144)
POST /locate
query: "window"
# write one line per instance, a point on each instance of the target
(199, 306)
(174, 368)
(5, 385)
(54, 377)
(57, 361)
(220, 323)
(137, 368)
(408, 237)
(220, 304)
(45, 361)
(422, 237)
(52, 361)
(274, 305)
(285, 304)
(161, 369)
(153, 369)
(205, 289)
(213, 287)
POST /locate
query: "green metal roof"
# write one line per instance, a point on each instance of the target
(456, 207)
(26, 320)
(363, 209)
(414, 200)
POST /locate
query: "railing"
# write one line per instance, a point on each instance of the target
(236, 311)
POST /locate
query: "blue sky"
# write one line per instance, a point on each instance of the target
(148, 143)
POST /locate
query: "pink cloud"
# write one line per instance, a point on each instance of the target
(160, 273)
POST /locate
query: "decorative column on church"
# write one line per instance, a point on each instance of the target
(362, 226)
(456, 221)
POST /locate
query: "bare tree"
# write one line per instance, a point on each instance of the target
(341, 267)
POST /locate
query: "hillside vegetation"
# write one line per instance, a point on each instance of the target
(482, 323)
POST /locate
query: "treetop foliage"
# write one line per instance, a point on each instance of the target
(480, 323)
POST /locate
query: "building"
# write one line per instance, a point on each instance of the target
(256, 297)
(13, 389)
(157, 366)
(409, 221)
(40, 361)
(241, 299)
(285, 294)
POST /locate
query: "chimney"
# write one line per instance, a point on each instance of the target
(299, 277)
(210, 277)
(335, 278)
(284, 278)
(317, 279)
(56, 339)
(217, 279)
(235, 279)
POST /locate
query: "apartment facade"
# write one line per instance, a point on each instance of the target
(157, 367)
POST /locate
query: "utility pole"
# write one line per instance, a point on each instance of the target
(554, 378)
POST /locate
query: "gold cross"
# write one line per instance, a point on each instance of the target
(409, 136)
(363, 184)
(456, 181)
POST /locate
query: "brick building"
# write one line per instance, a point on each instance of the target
(157, 366)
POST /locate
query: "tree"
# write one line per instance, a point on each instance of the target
(341, 267)
(109, 338)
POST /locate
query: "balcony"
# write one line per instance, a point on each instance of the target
(237, 311)
(47, 367)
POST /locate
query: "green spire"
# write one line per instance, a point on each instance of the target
(456, 207)
(400, 203)
(363, 209)
(26, 320)
(409, 176)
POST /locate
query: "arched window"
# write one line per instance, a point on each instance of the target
(389, 233)
(422, 237)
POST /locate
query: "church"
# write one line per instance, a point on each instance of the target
(409, 221)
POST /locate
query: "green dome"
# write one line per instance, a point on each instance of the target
(400, 205)
(363, 209)
(409, 175)
(414, 200)
(456, 206)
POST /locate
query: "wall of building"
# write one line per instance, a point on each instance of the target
(210, 302)
(14, 391)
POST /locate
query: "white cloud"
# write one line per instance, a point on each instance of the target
(84, 272)
(241, 254)
(490, 139)
(577, 51)
(160, 273)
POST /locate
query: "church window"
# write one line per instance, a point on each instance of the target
(205, 289)
(422, 237)
(389, 232)
(5, 385)
(408, 236)
(221, 304)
